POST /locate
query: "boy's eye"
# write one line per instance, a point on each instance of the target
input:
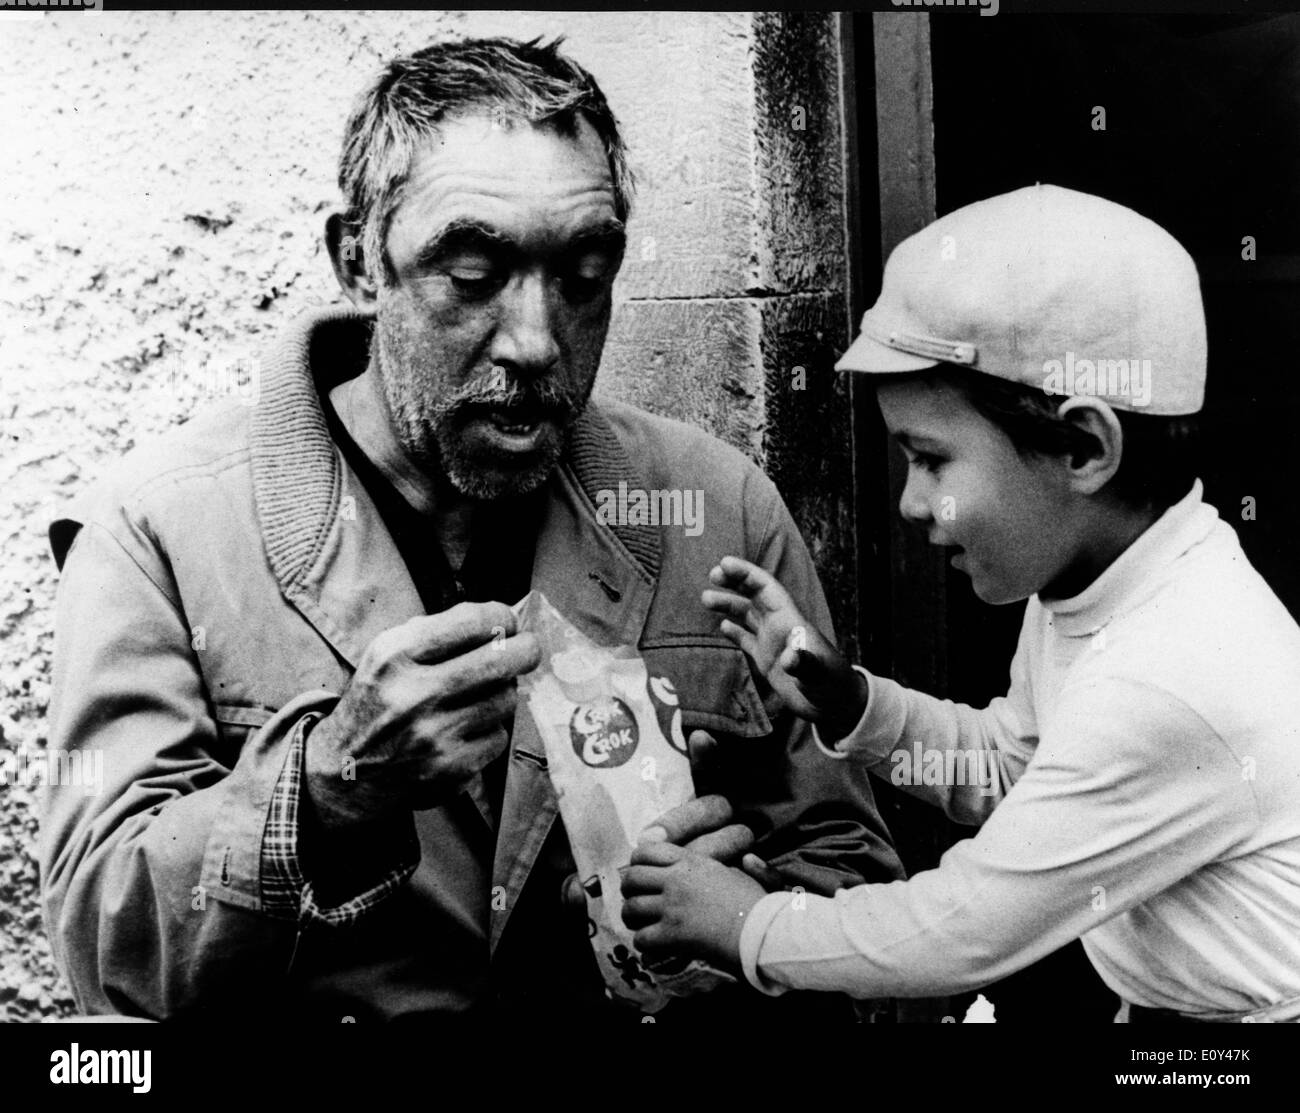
(925, 461)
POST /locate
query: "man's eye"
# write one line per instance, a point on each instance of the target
(584, 283)
(475, 284)
(583, 287)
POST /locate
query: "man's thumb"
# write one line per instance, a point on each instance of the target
(706, 760)
(702, 746)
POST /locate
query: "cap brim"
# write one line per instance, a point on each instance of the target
(874, 358)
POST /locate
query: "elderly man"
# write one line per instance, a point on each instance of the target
(287, 627)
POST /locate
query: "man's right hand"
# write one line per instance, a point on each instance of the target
(426, 709)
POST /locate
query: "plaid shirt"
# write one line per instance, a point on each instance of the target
(286, 892)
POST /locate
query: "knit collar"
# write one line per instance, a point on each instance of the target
(1135, 573)
(297, 472)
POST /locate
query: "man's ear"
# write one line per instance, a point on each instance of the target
(343, 240)
(1095, 463)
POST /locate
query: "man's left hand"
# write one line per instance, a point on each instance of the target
(683, 903)
(703, 826)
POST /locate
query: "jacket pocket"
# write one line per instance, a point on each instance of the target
(236, 725)
(712, 683)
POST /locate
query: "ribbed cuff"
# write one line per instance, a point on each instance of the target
(751, 940)
(835, 751)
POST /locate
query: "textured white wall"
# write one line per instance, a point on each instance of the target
(165, 179)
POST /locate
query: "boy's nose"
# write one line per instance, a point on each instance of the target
(912, 504)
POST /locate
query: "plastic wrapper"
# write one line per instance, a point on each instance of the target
(617, 760)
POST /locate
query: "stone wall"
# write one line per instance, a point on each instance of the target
(166, 180)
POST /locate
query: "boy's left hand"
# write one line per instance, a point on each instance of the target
(683, 903)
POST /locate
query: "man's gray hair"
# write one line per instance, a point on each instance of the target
(507, 79)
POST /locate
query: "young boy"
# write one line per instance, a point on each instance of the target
(1038, 355)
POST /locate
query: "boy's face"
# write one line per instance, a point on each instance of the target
(1009, 517)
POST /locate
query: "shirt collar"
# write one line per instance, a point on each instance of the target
(1134, 574)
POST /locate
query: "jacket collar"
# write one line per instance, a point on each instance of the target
(302, 492)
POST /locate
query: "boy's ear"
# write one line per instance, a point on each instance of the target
(1095, 463)
(343, 240)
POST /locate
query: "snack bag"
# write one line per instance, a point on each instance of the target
(617, 760)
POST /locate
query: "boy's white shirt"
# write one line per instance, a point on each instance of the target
(1144, 793)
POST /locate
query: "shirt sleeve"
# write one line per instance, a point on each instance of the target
(286, 890)
(1128, 793)
(958, 758)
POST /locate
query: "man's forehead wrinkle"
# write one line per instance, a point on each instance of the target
(535, 192)
(509, 184)
(531, 164)
(514, 222)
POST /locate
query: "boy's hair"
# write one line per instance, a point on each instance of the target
(1160, 456)
(511, 80)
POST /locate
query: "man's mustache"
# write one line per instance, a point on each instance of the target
(545, 396)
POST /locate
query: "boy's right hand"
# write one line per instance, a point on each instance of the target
(810, 675)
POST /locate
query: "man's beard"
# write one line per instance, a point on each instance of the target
(430, 428)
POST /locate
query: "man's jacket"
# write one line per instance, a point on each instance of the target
(218, 589)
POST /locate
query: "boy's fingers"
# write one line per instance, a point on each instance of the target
(657, 854)
(738, 569)
(654, 939)
(731, 605)
(750, 580)
(740, 576)
(743, 638)
(642, 911)
(640, 880)
(729, 571)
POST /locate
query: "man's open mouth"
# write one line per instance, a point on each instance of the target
(512, 429)
(515, 425)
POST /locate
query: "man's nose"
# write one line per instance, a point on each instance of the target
(525, 337)
(914, 504)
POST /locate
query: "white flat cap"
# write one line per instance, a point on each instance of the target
(1050, 288)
